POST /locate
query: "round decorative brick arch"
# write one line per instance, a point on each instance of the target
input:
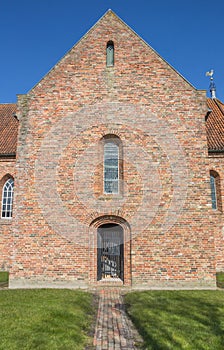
(95, 224)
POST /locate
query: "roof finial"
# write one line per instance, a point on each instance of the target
(212, 86)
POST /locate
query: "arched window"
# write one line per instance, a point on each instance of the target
(215, 190)
(110, 53)
(111, 165)
(7, 199)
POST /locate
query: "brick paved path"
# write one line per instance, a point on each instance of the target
(113, 329)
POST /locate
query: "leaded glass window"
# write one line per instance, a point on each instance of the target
(111, 167)
(110, 54)
(213, 191)
(7, 199)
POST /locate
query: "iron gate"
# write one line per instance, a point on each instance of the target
(110, 252)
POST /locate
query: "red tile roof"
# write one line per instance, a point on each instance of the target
(8, 129)
(215, 125)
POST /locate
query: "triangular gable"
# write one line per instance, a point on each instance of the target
(105, 17)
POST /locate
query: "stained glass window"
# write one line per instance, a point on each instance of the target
(111, 167)
(213, 191)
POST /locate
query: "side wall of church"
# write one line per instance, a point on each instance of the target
(164, 194)
(217, 165)
(7, 169)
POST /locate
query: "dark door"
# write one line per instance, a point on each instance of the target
(110, 252)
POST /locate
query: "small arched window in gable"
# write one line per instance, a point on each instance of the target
(215, 190)
(7, 199)
(110, 54)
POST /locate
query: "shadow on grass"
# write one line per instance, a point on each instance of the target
(178, 319)
(220, 279)
(4, 279)
(46, 319)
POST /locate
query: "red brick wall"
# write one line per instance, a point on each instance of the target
(165, 196)
(7, 169)
(216, 162)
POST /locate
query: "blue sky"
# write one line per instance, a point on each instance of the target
(35, 34)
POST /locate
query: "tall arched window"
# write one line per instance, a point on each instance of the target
(7, 199)
(215, 190)
(110, 53)
(111, 165)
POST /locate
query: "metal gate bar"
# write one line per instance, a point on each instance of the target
(110, 252)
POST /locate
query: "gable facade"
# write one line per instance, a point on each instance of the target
(111, 173)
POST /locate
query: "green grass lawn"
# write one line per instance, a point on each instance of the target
(4, 278)
(220, 279)
(46, 319)
(191, 320)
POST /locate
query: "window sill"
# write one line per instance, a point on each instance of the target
(109, 196)
(5, 221)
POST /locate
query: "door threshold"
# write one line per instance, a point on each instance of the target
(111, 281)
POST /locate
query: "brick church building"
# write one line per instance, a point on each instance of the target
(112, 172)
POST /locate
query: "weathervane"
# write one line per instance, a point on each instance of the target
(212, 86)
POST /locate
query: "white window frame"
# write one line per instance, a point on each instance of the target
(7, 199)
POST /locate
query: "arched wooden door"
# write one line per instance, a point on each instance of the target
(110, 252)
